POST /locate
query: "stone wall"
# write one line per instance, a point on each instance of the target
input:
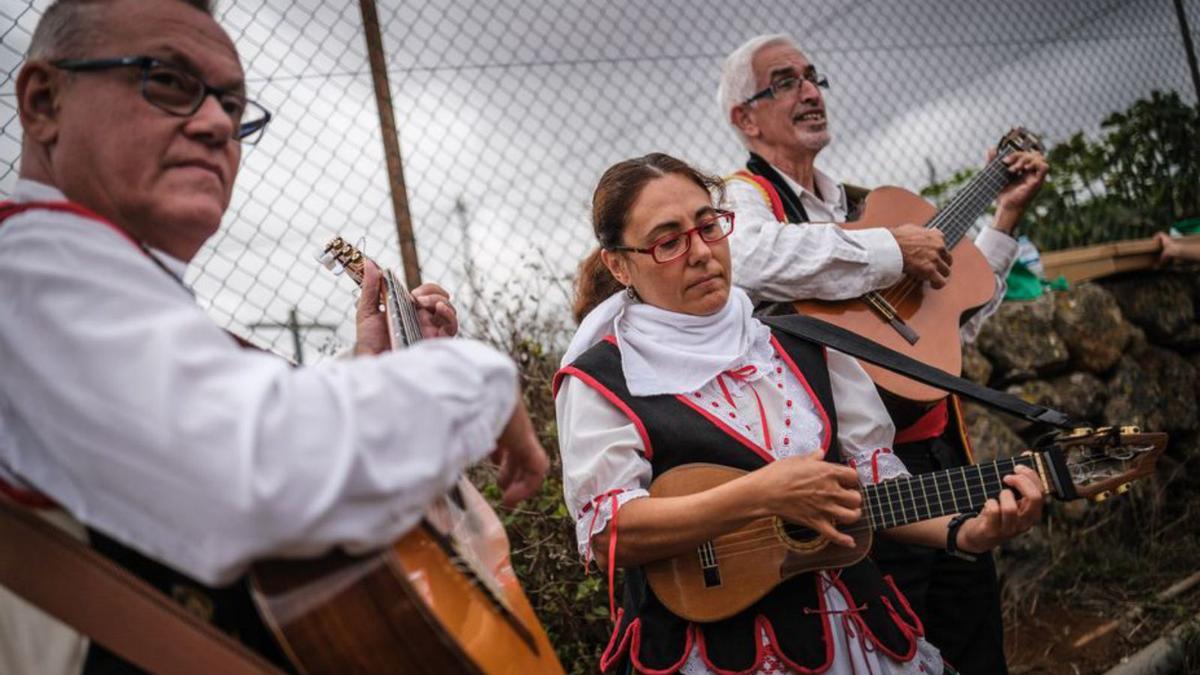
(1115, 352)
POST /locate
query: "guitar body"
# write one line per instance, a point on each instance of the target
(934, 314)
(723, 576)
(748, 562)
(410, 608)
(441, 599)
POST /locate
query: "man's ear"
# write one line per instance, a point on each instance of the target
(38, 88)
(743, 118)
(617, 265)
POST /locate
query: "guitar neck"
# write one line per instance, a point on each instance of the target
(956, 218)
(403, 325)
(925, 496)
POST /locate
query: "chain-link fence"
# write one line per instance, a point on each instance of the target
(508, 112)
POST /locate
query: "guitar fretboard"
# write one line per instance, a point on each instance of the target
(955, 219)
(965, 488)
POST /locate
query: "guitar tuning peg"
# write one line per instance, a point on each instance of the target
(325, 257)
(1079, 432)
(336, 267)
(1131, 430)
(1101, 496)
(1123, 488)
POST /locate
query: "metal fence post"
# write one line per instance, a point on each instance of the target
(1188, 47)
(391, 144)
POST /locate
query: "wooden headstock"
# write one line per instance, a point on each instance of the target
(340, 256)
(1019, 139)
(1097, 463)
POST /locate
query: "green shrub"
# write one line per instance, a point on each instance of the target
(1141, 176)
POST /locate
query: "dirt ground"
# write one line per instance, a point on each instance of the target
(1042, 643)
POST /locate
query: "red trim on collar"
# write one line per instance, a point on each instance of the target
(9, 209)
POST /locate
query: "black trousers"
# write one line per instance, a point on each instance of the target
(958, 601)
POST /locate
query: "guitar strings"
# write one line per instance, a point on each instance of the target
(725, 547)
(975, 196)
(900, 292)
(738, 537)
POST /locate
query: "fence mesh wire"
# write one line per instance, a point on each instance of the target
(509, 111)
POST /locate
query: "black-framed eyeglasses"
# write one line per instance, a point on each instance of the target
(790, 83)
(180, 93)
(712, 229)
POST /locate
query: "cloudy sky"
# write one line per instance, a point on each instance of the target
(509, 111)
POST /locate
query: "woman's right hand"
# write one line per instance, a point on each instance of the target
(811, 492)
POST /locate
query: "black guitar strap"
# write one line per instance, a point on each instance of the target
(823, 332)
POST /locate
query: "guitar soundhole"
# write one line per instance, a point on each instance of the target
(799, 538)
(799, 533)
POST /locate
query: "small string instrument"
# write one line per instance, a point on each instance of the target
(913, 317)
(725, 575)
(441, 599)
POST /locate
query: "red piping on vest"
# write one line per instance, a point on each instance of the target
(931, 425)
(769, 190)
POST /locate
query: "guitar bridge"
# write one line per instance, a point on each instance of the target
(888, 313)
(708, 565)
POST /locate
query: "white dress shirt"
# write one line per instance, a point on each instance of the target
(778, 262)
(124, 402)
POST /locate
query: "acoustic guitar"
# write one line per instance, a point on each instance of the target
(913, 317)
(725, 575)
(442, 599)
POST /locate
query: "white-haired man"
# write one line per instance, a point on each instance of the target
(787, 246)
(186, 456)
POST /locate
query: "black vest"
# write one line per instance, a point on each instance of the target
(651, 636)
(793, 209)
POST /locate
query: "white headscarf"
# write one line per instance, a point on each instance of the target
(665, 352)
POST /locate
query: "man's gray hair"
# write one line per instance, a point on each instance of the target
(67, 25)
(737, 75)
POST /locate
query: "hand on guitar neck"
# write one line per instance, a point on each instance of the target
(1029, 168)
(436, 314)
(522, 461)
(721, 559)
(1013, 511)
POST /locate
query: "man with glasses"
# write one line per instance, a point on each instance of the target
(788, 246)
(186, 456)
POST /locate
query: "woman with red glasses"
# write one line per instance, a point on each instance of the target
(674, 370)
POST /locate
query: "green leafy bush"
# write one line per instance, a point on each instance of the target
(1141, 176)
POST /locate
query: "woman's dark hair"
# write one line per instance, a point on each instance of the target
(615, 194)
